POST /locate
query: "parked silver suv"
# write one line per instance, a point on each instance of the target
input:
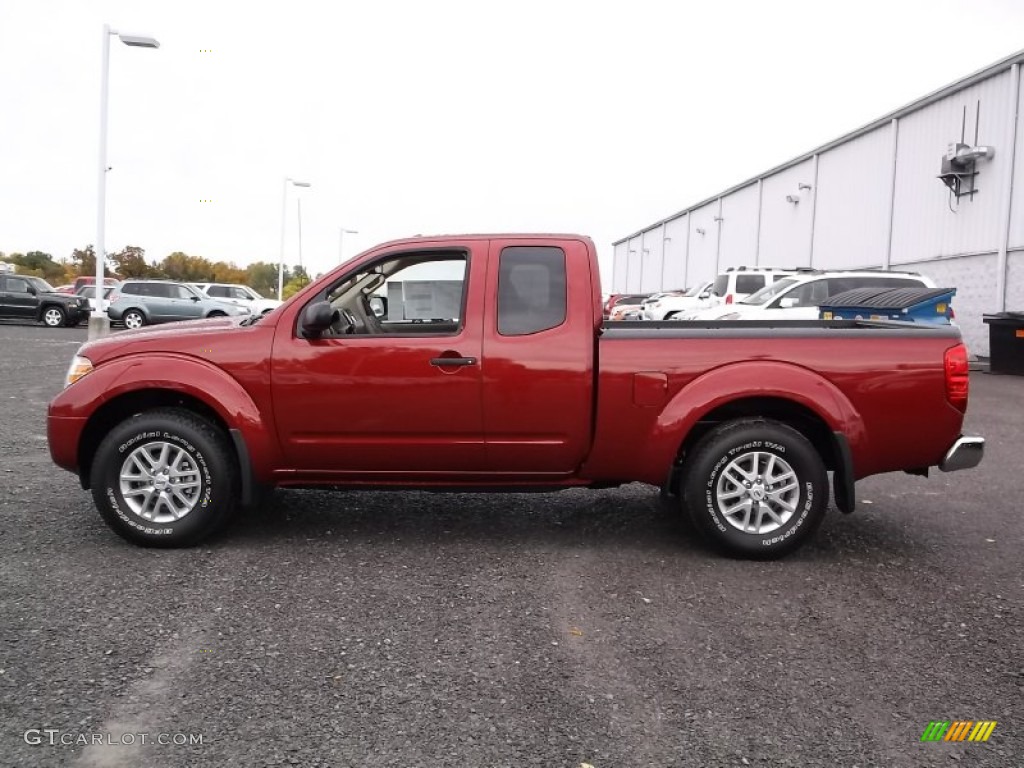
(143, 302)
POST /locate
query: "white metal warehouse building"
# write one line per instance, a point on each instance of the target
(873, 199)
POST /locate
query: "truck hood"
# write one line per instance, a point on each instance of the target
(184, 337)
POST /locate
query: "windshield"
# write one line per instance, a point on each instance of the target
(769, 292)
(697, 290)
(41, 285)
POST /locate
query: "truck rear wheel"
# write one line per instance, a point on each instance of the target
(756, 487)
(165, 478)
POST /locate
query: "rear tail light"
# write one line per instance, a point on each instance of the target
(957, 373)
(728, 299)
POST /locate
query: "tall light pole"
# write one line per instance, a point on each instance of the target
(284, 218)
(341, 242)
(99, 323)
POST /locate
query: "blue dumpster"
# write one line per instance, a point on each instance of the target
(918, 305)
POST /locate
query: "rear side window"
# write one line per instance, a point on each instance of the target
(748, 283)
(135, 289)
(17, 285)
(218, 291)
(531, 290)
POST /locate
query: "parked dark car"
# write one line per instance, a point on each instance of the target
(23, 297)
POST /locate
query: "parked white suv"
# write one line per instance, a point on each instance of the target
(798, 297)
(737, 283)
(242, 295)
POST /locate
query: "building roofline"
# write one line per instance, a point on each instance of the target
(965, 82)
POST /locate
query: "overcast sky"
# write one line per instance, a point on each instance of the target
(431, 117)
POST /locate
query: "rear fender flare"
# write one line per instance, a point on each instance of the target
(738, 381)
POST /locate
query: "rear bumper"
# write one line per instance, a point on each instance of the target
(965, 453)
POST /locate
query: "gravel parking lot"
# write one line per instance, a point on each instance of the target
(414, 629)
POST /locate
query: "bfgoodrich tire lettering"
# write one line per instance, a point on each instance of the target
(756, 487)
(165, 478)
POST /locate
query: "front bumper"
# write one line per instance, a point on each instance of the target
(965, 453)
(77, 312)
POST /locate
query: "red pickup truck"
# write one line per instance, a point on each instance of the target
(482, 362)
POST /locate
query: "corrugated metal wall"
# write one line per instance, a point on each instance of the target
(923, 224)
(738, 245)
(786, 226)
(1017, 217)
(674, 268)
(854, 192)
(872, 199)
(702, 257)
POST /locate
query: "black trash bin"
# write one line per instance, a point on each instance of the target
(1006, 342)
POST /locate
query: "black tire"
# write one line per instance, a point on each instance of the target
(53, 316)
(785, 517)
(132, 316)
(205, 455)
(670, 315)
(217, 313)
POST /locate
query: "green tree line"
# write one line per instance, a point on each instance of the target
(130, 262)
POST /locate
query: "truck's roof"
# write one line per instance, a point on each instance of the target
(488, 236)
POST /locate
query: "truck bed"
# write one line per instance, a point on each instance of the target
(660, 379)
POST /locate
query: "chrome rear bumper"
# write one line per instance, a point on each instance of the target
(966, 452)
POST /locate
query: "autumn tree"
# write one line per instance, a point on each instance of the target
(83, 261)
(190, 269)
(261, 276)
(299, 279)
(130, 261)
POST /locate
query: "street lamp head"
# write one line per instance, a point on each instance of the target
(137, 41)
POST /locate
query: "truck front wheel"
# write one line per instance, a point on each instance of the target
(756, 487)
(165, 478)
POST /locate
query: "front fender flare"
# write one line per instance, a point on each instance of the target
(196, 378)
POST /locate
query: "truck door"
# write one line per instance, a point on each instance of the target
(538, 356)
(394, 387)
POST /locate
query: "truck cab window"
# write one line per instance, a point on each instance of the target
(531, 290)
(414, 294)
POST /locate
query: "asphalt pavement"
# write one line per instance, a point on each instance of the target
(580, 627)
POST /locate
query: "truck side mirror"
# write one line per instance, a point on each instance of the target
(377, 306)
(316, 318)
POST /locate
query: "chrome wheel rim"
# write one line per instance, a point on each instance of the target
(132, 320)
(160, 482)
(52, 317)
(757, 492)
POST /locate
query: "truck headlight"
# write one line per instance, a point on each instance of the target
(80, 366)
